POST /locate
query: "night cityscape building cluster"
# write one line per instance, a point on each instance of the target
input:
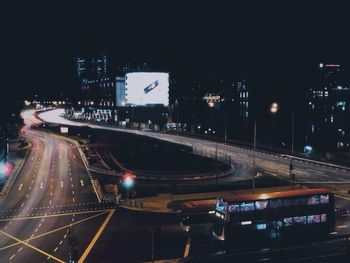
(157, 131)
(329, 111)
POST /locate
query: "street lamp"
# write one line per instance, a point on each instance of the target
(274, 107)
(273, 110)
(254, 153)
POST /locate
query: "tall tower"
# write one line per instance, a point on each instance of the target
(328, 110)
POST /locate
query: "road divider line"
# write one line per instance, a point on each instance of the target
(31, 246)
(56, 230)
(97, 235)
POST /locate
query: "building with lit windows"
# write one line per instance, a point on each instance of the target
(243, 99)
(120, 91)
(328, 110)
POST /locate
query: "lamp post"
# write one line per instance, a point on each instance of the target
(291, 176)
(273, 110)
(177, 116)
(225, 126)
(254, 151)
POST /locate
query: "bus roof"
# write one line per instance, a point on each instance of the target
(275, 195)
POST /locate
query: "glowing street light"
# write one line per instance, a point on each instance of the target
(274, 107)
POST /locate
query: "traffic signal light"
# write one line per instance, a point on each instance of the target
(128, 180)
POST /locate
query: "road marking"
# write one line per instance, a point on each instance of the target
(20, 187)
(12, 257)
(31, 246)
(97, 235)
(187, 248)
(22, 204)
(55, 249)
(41, 185)
(56, 230)
(61, 183)
(82, 183)
(56, 214)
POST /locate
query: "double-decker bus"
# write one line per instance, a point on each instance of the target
(275, 214)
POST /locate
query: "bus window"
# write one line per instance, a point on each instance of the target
(299, 219)
(288, 221)
(233, 208)
(275, 203)
(260, 205)
(247, 206)
(324, 199)
(313, 219)
(313, 200)
(323, 218)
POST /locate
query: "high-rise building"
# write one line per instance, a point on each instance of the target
(81, 67)
(242, 98)
(328, 108)
(99, 65)
(91, 67)
(120, 91)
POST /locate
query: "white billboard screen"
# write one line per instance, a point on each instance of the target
(147, 88)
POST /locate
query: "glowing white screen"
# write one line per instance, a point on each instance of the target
(147, 88)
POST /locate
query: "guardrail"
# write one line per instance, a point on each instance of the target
(337, 186)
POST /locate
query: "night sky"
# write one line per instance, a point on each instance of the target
(276, 45)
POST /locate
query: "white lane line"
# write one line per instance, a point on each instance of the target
(55, 249)
(41, 185)
(12, 257)
(82, 183)
(20, 187)
(61, 183)
(187, 248)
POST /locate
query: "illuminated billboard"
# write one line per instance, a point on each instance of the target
(142, 88)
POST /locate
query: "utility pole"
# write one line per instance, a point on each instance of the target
(291, 175)
(225, 126)
(254, 150)
(177, 116)
(152, 245)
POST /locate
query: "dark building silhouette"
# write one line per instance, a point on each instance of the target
(328, 110)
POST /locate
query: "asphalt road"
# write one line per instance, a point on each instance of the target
(50, 201)
(275, 164)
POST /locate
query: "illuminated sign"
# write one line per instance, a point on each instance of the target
(142, 88)
(64, 129)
